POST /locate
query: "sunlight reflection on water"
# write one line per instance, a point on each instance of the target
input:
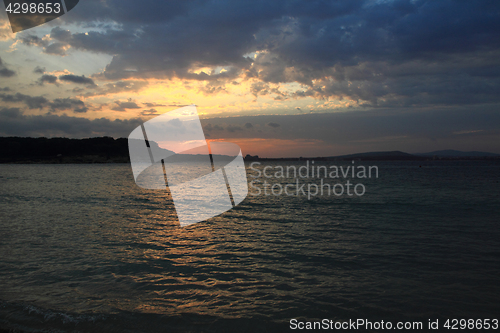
(84, 240)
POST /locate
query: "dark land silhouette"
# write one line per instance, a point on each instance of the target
(63, 150)
(110, 150)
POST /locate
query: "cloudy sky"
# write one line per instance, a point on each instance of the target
(280, 78)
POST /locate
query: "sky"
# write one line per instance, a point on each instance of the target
(279, 78)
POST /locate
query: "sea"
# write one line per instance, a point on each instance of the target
(84, 249)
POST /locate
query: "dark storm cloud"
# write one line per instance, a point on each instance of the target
(13, 122)
(54, 48)
(273, 125)
(40, 102)
(378, 53)
(33, 102)
(47, 79)
(152, 35)
(213, 87)
(233, 129)
(68, 104)
(60, 34)
(150, 105)
(39, 70)
(150, 112)
(155, 33)
(10, 113)
(318, 31)
(32, 40)
(210, 128)
(81, 110)
(5, 71)
(122, 106)
(119, 87)
(77, 79)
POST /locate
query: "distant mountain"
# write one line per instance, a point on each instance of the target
(457, 153)
(379, 155)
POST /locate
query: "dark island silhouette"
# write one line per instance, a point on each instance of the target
(110, 150)
(63, 150)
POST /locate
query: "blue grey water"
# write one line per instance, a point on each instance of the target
(83, 249)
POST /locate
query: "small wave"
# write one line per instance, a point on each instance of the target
(30, 318)
(65, 318)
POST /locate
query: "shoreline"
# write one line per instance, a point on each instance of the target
(99, 160)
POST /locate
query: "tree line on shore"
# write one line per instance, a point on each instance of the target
(63, 150)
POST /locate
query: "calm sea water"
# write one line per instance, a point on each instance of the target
(83, 249)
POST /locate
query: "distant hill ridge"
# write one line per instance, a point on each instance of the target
(399, 155)
(378, 155)
(458, 153)
(110, 150)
